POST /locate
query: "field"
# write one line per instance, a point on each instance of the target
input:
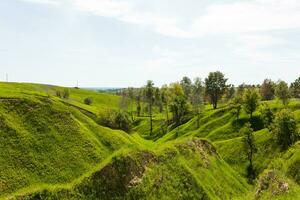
(54, 148)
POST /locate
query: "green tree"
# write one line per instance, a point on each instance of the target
(267, 89)
(197, 98)
(149, 94)
(295, 88)
(186, 85)
(267, 115)
(285, 129)
(282, 92)
(165, 96)
(138, 103)
(250, 101)
(237, 105)
(215, 85)
(249, 148)
(131, 99)
(179, 105)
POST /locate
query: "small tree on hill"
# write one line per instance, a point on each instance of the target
(295, 88)
(237, 104)
(197, 98)
(267, 115)
(186, 85)
(282, 92)
(267, 89)
(251, 101)
(285, 129)
(215, 86)
(165, 97)
(249, 148)
(66, 93)
(149, 94)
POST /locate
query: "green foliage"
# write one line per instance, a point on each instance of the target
(115, 120)
(250, 101)
(66, 93)
(267, 89)
(282, 92)
(249, 148)
(267, 115)
(295, 88)
(285, 129)
(215, 86)
(88, 100)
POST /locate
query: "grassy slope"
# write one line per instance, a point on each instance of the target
(71, 157)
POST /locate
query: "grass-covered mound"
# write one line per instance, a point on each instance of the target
(187, 169)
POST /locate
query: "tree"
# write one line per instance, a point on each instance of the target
(282, 92)
(178, 105)
(138, 103)
(215, 85)
(165, 96)
(285, 129)
(149, 94)
(197, 98)
(267, 89)
(131, 98)
(186, 85)
(249, 148)
(230, 92)
(295, 88)
(158, 99)
(251, 101)
(267, 115)
(237, 104)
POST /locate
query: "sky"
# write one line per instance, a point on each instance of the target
(120, 43)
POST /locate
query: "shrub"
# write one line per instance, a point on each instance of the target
(88, 100)
(285, 129)
(267, 115)
(115, 120)
(58, 93)
(66, 93)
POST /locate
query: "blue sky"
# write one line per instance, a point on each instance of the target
(111, 43)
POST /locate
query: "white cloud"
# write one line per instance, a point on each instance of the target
(236, 17)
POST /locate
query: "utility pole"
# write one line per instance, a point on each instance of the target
(6, 77)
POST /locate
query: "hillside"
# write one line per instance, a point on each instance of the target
(53, 148)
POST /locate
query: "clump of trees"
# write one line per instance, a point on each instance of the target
(267, 90)
(285, 129)
(115, 120)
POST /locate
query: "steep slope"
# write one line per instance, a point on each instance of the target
(187, 169)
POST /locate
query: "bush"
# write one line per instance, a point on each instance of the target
(88, 101)
(285, 129)
(58, 93)
(115, 120)
(267, 115)
(66, 93)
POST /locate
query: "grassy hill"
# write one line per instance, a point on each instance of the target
(52, 148)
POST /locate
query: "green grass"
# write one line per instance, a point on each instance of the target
(52, 148)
